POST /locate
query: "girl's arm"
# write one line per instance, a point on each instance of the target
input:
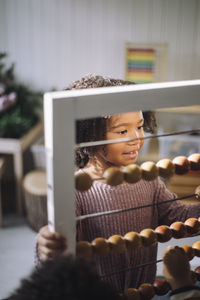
(173, 211)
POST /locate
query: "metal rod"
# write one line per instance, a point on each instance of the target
(94, 215)
(123, 140)
(131, 268)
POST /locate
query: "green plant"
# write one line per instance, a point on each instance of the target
(18, 118)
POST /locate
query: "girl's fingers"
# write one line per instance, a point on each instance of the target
(51, 243)
(179, 250)
(172, 252)
(47, 234)
(46, 253)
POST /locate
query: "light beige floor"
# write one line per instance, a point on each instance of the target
(16, 253)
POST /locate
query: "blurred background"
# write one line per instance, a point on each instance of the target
(56, 42)
(47, 44)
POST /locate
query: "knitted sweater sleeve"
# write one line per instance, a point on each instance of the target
(173, 211)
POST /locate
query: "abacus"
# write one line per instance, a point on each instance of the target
(62, 109)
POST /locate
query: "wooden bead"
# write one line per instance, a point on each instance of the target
(164, 233)
(165, 167)
(192, 225)
(197, 272)
(182, 165)
(117, 244)
(197, 192)
(178, 230)
(83, 181)
(149, 170)
(196, 247)
(132, 294)
(84, 249)
(101, 246)
(149, 237)
(113, 176)
(189, 251)
(161, 287)
(194, 160)
(147, 291)
(132, 173)
(133, 240)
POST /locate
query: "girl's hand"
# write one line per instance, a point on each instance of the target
(176, 267)
(50, 244)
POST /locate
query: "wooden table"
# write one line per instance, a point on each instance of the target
(16, 147)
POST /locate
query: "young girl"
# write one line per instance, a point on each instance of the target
(102, 197)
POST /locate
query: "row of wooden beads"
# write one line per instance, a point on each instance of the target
(160, 287)
(147, 171)
(147, 237)
(146, 291)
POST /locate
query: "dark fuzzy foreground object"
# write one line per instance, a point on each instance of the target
(64, 278)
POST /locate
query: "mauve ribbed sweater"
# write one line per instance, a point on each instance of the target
(102, 197)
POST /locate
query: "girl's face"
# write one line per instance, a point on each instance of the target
(127, 125)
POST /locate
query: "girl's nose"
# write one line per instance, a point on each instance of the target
(134, 135)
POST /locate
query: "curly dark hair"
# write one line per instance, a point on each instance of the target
(94, 129)
(65, 278)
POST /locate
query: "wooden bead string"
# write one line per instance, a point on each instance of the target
(160, 287)
(148, 171)
(190, 251)
(117, 244)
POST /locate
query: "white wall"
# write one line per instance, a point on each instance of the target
(56, 41)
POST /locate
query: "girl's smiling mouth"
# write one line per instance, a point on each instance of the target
(131, 154)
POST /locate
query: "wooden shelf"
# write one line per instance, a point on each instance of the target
(184, 185)
(195, 109)
(16, 147)
(2, 164)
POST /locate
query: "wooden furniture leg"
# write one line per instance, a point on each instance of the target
(18, 172)
(1, 172)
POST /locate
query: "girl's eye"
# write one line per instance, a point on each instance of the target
(122, 132)
(140, 127)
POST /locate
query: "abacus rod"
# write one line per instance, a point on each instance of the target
(122, 140)
(80, 218)
(131, 268)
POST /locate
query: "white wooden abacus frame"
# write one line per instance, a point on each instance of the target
(62, 109)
